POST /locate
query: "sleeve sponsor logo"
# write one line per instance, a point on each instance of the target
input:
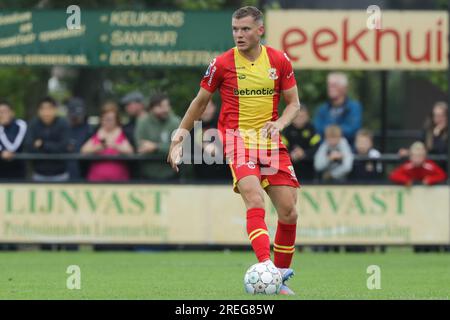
(212, 75)
(208, 71)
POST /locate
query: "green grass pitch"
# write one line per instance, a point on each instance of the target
(219, 275)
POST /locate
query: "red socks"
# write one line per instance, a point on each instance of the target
(284, 246)
(257, 233)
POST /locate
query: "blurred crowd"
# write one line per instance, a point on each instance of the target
(332, 146)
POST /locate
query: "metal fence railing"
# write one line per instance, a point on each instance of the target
(388, 160)
(387, 157)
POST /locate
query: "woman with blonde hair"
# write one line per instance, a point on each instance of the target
(436, 129)
(435, 133)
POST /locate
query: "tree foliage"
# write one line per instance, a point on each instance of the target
(24, 85)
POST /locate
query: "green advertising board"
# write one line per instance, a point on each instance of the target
(113, 38)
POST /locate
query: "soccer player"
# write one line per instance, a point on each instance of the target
(251, 77)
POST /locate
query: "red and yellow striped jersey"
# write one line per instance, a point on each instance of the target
(250, 92)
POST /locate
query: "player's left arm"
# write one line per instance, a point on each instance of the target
(292, 101)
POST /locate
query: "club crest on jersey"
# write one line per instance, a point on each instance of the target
(273, 74)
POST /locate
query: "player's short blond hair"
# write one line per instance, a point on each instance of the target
(333, 131)
(418, 146)
(251, 11)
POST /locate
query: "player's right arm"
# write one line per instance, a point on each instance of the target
(210, 83)
(193, 113)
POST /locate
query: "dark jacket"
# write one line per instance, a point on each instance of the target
(436, 144)
(307, 139)
(129, 130)
(12, 137)
(367, 170)
(55, 139)
(78, 137)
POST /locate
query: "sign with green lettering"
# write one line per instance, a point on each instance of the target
(113, 38)
(174, 214)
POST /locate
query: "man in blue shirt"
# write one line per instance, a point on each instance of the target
(339, 110)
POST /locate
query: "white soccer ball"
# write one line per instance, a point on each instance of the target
(262, 278)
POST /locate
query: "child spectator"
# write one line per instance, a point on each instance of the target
(334, 158)
(48, 133)
(12, 136)
(418, 168)
(110, 139)
(366, 170)
(302, 142)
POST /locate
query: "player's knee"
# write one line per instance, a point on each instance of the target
(293, 217)
(289, 216)
(255, 200)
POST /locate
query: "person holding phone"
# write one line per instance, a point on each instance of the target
(110, 139)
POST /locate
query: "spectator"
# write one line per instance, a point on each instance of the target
(80, 132)
(340, 109)
(206, 143)
(334, 158)
(135, 109)
(435, 135)
(109, 140)
(48, 134)
(12, 136)
(366, 170)
(418, 168)
(153, 136)
(436, 130)
(302, 142)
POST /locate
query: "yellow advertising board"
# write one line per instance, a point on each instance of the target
(186, 214)
(355, 39)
